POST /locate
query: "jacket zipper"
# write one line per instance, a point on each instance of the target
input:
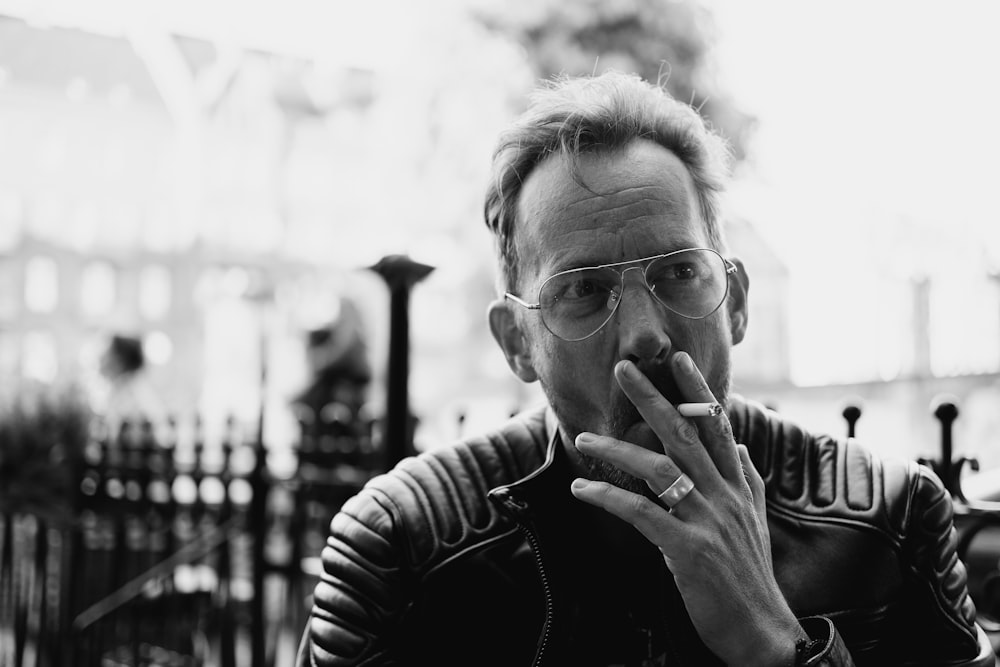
(518, 511)
(546, 589)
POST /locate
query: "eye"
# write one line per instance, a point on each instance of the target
(583, 288)
(682, 271)
(579, 290)
(676, 271)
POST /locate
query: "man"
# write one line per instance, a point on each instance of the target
(609, 529)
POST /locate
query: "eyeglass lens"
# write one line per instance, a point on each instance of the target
(577, 303)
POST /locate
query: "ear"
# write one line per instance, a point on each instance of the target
(739, 286)
(511, 340)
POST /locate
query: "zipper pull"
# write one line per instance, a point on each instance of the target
(509, 503)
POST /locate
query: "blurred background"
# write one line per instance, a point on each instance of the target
(209, 175)
(213, 180)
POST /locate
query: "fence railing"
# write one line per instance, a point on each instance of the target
(177, 553)
(187, 553)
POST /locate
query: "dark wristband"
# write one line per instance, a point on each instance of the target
(810, 649)
(806, 649)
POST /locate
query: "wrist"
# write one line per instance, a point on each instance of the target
(779, 648)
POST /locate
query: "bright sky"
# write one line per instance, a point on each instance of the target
(889, 102)
(876, 154)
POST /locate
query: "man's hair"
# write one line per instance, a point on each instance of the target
(576, 116)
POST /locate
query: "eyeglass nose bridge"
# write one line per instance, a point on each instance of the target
(614, 300)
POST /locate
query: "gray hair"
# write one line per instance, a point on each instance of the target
(576, 116)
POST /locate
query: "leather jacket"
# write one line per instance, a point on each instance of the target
(477, 554)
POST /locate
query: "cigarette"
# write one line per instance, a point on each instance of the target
(699, 409)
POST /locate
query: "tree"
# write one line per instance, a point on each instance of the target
(661, 40)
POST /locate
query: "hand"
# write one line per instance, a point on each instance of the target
(715, 540)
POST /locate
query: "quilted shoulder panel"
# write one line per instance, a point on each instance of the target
(818, 479)
(821, 477)
(402, 525)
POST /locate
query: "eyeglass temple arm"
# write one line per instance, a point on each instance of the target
(730, 267)
(522, 302)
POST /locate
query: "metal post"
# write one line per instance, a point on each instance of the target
(852, 413)
(950, 469)
(946, 412)
(400, 273)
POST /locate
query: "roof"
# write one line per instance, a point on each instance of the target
(58, 57)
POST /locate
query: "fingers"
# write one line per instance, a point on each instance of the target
(756, 487)
(661, 528)
(754, 481)
(703, 455)
(679, 436)
(658, 470)
(716, 431)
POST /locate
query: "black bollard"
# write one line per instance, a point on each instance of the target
(949, 469)
(852, 413)
(400, 273)
(946, 412)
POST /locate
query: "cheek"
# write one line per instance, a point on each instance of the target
(578, 371)
(710, 346)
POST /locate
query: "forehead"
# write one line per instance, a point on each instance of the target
(625, 204)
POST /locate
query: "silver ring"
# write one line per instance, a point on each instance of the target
(677, 491)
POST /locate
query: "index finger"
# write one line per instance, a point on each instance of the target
(679, 437)
(716, 431)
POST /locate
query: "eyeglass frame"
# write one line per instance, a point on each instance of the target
(731, 268)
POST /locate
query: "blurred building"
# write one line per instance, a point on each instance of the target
(153, 185)
(220, 198)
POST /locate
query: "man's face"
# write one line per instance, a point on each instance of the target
(641, 202)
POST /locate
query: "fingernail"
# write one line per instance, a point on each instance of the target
(585, 439)
(629, 370)
(684, 361)
(579, 484)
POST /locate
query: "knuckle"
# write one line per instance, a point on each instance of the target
(724, 427)
(637, 505)
(685, 432)
(606, 492)
(663, 468)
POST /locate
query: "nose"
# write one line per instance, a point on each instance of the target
(641, 322)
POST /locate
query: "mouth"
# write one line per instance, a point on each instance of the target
(632, 427)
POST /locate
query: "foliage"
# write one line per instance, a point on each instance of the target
(42, 439)
(661, 40)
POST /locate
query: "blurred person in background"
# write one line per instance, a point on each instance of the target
(608, 528)
(338, 366)
(126, 394)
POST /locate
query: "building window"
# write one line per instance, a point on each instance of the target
(39, 359)
(98, 289)
(154, 292)
(41, 285)
(158, 347)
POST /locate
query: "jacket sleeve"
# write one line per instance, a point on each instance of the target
(395, 550)
(939, 626)
(936, 626)
(357, 599)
